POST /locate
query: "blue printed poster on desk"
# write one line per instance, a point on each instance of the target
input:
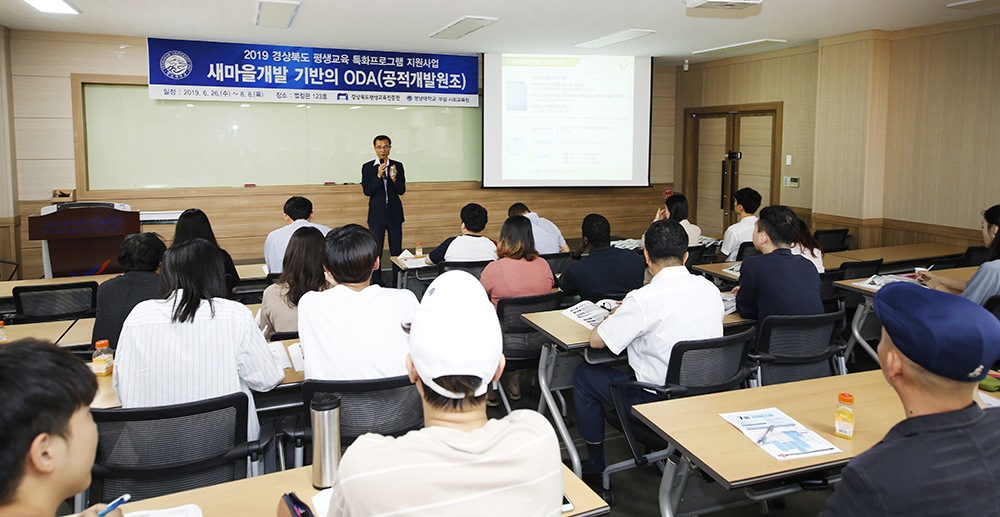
(244, 72)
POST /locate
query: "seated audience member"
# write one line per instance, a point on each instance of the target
(777, 282)
(354, 330)
(807, 246)
(607, 269)
(298, 213)
(548, 238)
(675, 208)
(461, 462)
(139, 255)
(944, 458)
(746, 201)
(302, 271)
(675, 306)
(193, 344)
(518, 272)
(986, 282)
(48, 440)
(472, 245)
(194, 224)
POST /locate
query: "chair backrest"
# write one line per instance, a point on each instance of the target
(37, 303)
(558, 262)
(272, 278)
(797, 348)
(974, 256)
(389, 406)
(709, 255)
(860, 269)
(509, 310)
(12, 271)
(694, 255)
(832, 240)
(282, 336)
(747, 250)
(827, 291)
(993, 305)
(711, 365)
(149, 452)
(475, 268)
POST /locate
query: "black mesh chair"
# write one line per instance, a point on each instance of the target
(12, 271)
(271, 278)
(833, 240)
(974, 256)
(475, 268)
(149, 452)
(747, 250)
(283, 336)
(515, 330)
(860, 269)
(558, 262)
(828, 294)
(695, 368)
(389, 406)
(710, 255)
(694, 256)
(943, 263)
(38, 303)
(796, 348)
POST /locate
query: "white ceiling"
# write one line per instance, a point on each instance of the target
(551, 26)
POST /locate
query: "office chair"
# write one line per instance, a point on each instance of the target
(474, 268)
(747, 250)
(828, 294)
(52, 302)
(974, 256)
(796, 348)
(943, 263)
(13, 271)
(695, 368)
(517, 332)
(694, 256)
(271, 278)
(283, 336)
(390, 406)
(558, 262)
(833, 240)
(153, 451)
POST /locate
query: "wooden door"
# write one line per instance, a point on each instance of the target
(712, 147)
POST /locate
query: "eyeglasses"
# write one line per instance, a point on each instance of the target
(382, 147)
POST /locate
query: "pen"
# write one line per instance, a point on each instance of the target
(114, 504)
(762, 438)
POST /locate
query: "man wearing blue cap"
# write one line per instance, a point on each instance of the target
(944, 458)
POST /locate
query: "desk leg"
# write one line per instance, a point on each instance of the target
(544, 374)
(860, 315)
(672, 485)
(401, 279)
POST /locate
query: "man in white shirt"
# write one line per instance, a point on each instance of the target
(747, 201)
(548, 238)
(355, 330)
(298, 212)
(675, 306)
(461, 463)
(472, 245)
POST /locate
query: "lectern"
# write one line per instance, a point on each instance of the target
(82, 238)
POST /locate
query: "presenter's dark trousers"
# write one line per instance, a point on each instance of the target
(395, 247)
(592, 389)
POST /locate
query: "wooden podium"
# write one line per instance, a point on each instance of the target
(83, 240)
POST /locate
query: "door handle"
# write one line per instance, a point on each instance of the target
(722, 201)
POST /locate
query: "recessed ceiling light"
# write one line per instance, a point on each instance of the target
(52, 6)
(190, 105)
(617, 37)
(276, 13)
(973, 4)
(244, 105)
(463, 26)
(355, 107)
(300, 106)
(746, 45)
(401, 108)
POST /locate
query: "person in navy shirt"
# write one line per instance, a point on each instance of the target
(607, 269)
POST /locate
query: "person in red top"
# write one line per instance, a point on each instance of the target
(518, 272)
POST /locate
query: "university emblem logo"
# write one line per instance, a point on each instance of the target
(176, 64)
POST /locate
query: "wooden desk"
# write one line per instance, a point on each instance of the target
(694, 427)
(259, 496)
(831, 261)
(900, 257)
(7, 288)
(251, 271)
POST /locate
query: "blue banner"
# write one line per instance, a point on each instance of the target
(243, 72)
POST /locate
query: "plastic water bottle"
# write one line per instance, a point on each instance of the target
(844, 423)
(420, 250)
(3, 333)
(104, 359)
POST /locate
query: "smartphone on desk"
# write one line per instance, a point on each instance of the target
(567, 505)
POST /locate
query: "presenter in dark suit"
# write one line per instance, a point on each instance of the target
(383, 182)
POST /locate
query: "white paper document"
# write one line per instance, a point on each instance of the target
(321, 501)
(278, 353)
(416, 263)
(783, 437)
(298, 360)
(188, 510)
(729, 302)
(877, 281)
(405, 255)
(989, 400)
(586, 313)
(734, 269)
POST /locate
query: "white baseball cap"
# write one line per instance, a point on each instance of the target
(455, 331)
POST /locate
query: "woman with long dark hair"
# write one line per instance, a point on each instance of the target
(807, 246)
(302, 271)
(986, 282)
(194, 224)
(193, 343)
(675, 208)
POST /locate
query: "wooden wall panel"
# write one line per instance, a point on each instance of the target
(662, 123)
(42, 97)
(10, 238)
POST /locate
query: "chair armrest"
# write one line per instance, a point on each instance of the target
(759, 357)
(667, 391)
(296, 434)
(253, 448)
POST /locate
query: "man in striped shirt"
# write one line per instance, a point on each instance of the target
(461, 463)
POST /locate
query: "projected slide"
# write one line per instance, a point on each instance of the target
(566, 120)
